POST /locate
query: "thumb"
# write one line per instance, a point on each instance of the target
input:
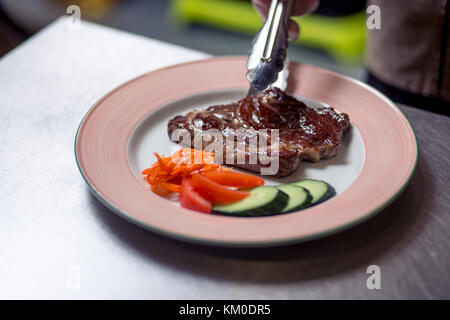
(293, 30)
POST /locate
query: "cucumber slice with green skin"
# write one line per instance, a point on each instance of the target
(320, 190)
(262, 201)
(299, 197)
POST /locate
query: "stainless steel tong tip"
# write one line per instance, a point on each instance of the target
(268, 52)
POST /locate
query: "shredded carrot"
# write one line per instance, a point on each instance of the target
(166, 173)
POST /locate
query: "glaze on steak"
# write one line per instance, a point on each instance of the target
(304, 133)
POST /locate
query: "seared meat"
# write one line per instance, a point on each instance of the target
(304, 133)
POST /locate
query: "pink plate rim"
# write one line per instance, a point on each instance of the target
(101, 154)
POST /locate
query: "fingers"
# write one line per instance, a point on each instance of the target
(262, 7)
(293, 30)
(300, 7)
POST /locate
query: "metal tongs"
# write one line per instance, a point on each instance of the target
(268, 53)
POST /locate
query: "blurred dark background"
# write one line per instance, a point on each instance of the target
(332, 37)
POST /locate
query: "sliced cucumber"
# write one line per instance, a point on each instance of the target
(320, 190)
(262, 201)
(299, 197)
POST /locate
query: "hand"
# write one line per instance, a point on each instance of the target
(300, 7)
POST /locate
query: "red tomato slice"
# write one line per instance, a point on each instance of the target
(214, 192)
(190, 199)
(234, 179)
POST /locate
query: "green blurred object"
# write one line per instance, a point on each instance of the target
(342, 37)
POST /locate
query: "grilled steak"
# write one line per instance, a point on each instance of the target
(304, 133)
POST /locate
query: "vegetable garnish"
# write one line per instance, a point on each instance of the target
(190, 199)
(214, 192)
(199, 180)
(272, 200)
(207, 187)
(234, 179)
(166, 173)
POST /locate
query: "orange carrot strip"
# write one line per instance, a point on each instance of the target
(160, 190)
(172, 186)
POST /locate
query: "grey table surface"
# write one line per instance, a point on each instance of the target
(58, 241)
